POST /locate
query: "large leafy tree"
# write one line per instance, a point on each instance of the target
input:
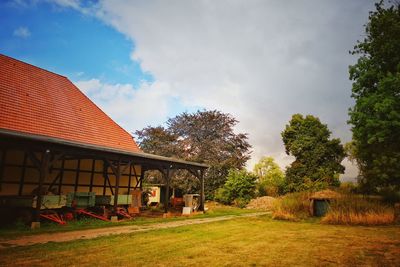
(270, 177)
(204, 136)
(317, 157)
(157, 140)
(240, 187)
(375, 117)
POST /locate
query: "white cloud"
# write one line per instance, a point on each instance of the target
(22, 32)
(74, 4)
(261, 61)
(132, 108)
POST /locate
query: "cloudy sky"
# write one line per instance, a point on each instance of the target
(145, 61)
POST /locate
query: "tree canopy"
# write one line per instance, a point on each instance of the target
(270, 177)
(317, 157)
(375, 117)
(239, 187)
(206, 137)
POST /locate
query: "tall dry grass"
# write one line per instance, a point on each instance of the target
(358, 210)
(292, 207)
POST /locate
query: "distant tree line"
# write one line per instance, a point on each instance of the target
(204, 136)
(209, 137)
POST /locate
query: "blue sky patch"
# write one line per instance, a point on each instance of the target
(69, 43)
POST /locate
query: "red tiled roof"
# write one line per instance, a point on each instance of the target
(39, 102)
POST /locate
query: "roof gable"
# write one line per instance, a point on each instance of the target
(36, 101)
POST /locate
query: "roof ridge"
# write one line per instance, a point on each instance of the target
(26, 63)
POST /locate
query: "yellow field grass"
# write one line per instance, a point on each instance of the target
(257, 241)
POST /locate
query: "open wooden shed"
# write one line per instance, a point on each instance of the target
(55, 139)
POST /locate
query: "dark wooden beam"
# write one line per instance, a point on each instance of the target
(142, 171)
(60, 184)
(167, 180)
(92, 175)
(130, 179)
(64, 184)
(2, 163)
(202, 195)
(117, 173)
(107, 164)
(109, 183)
(44, 170)
(56, 158)
(22, 180)
(34, 159)
(78, 167)
(54, 181)
(105, 176)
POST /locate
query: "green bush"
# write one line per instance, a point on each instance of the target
(348, 187)
(307, 185)
(222, 196)
(240, 184)
(271, 179)
(390, 194)
(240, 202)
(266, 188)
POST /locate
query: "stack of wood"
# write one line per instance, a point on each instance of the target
(261, 203)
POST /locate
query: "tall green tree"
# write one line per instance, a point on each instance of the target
(270, 177)
(240, 187)
(375, 117)
(317, 157)
(206, 137)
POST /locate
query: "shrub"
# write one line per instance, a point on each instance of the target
(240, 184)
(348, 187)
(270, 177)
(390, 194)
(265, 188)
(354, 209)
(241, 202)
(222, 196)
(293, 206)
(306, 185)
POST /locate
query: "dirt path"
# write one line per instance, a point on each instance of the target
(116, 230)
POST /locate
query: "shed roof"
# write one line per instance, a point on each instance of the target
(39, 102)
(325, 194)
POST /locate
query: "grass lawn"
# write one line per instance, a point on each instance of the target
(13, 231)
(238, 242)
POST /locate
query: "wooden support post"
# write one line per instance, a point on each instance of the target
(130, 178)
(200, 175)
(22, 180)
(202, 196)
(92, 175)
(107, 164)
(54, 181)
(109, 183)
(105, 176)
(167, 179)
(61, 176)
(2, 163)
(142, 171)
(117, 173)
(78, 169)
(43, 172)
